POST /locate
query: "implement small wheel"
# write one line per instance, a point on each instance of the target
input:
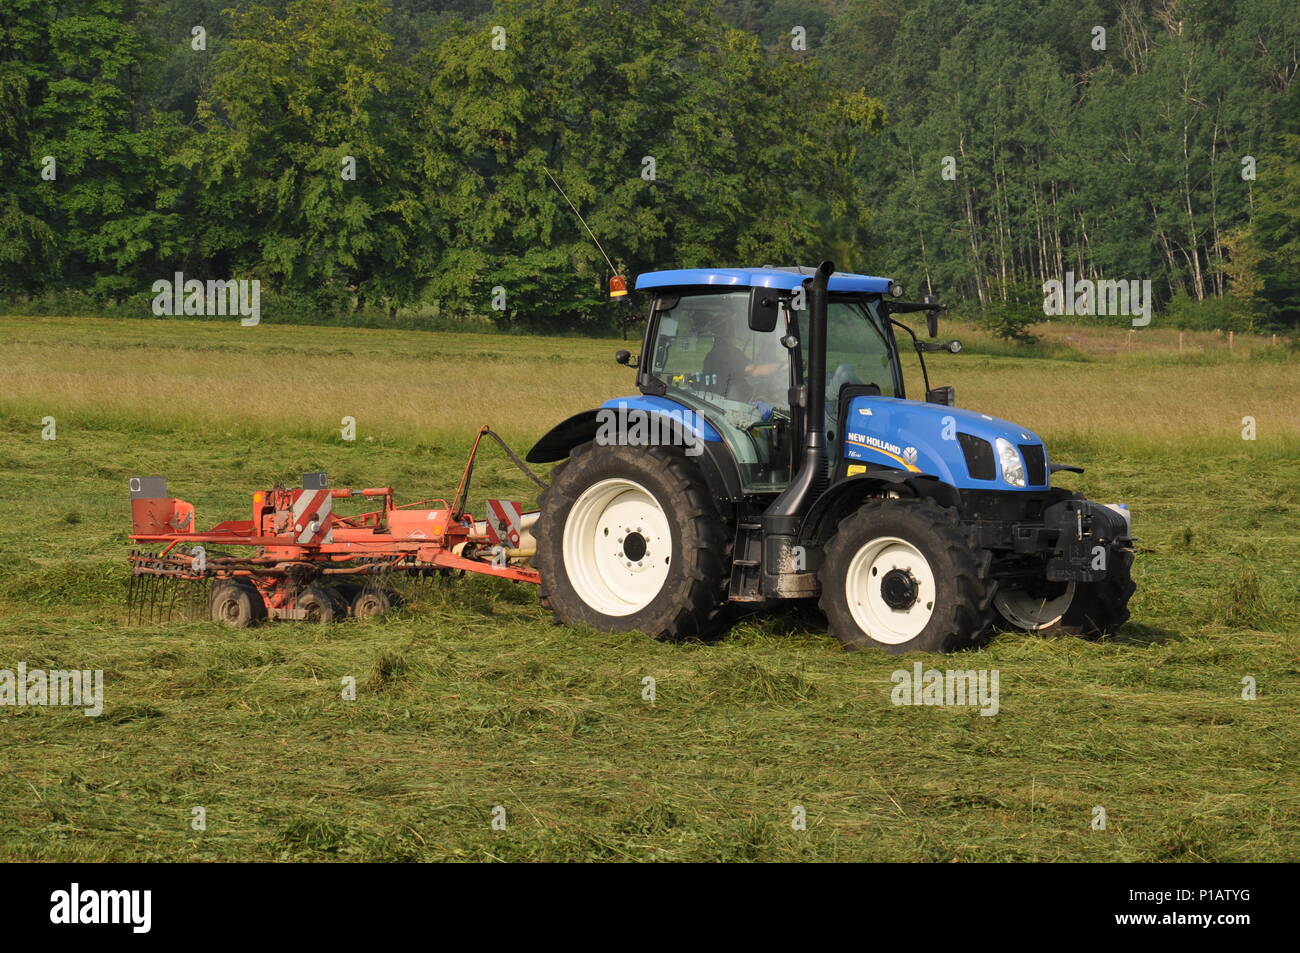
(318, 604)
(369, 603)
(905, 576)
(237, 604)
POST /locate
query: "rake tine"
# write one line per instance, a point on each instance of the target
(130, 588)
(172, 594)
(198, 593)
(137, 606)
(160, 603)
(154, 594)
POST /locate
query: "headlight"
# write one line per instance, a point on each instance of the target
(1013, 471)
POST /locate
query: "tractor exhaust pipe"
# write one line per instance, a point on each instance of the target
(782, 518)
(814, 438)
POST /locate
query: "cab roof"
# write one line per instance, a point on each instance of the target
(765, 277)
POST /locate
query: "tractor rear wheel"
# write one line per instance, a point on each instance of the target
(1091, 610)
(237, 604)
(630, 538)
(905, 576)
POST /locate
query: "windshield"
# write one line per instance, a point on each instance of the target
(709, 359)
(856, 351)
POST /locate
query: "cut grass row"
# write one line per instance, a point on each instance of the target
(469, 699)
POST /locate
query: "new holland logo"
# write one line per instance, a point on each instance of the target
(909, 454)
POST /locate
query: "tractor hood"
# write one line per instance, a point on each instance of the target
(958, 446)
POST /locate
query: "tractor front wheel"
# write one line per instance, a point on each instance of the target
(630, 538)
(1091, 610)
(904, 576)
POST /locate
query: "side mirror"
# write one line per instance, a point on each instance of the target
(932, 316)
(946, 395)
(624, 358)
(764, 308)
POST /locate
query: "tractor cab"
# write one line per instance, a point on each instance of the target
(732, 346)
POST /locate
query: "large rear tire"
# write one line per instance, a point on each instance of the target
(905, 576)
(630, 538)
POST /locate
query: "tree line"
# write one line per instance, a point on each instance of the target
(416, 156)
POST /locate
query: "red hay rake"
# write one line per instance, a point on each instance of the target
(301, 560)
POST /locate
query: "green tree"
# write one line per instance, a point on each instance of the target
(1265, 259)
(680, 142)
(29, 245)
(304, 163)
(102, 208)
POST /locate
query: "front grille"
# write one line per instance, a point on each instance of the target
(979, 456)
(1035, 463)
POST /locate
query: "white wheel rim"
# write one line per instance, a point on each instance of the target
(863, 588)
(1029, 612)
(611, 523)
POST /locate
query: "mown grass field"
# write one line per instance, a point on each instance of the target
(470, 698)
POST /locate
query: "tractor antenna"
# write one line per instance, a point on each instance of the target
(612, 269)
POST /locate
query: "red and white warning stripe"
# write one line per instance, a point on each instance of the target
(311, 516)
(505, 522)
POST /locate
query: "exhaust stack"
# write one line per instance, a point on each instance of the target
(782, 518)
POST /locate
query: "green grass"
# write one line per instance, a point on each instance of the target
(469, 698)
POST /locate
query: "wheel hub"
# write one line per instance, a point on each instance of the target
(617, 547)
(899, 589)
(634, 547)
(891, 590)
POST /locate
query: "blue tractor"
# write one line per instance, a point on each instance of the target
(772, 454)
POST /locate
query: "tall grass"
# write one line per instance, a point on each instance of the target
(205, 378)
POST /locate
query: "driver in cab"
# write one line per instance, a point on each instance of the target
(728, 371)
